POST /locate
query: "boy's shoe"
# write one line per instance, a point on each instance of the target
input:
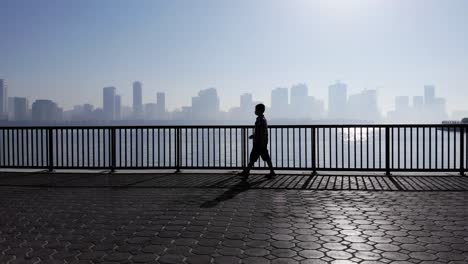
(271, 175)
(243, 173)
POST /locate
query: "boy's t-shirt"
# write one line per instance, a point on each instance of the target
(261, 132)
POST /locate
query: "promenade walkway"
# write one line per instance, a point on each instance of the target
(139, 217)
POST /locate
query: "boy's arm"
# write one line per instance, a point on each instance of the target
(254, 131)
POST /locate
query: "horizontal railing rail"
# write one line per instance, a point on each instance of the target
(367, 147)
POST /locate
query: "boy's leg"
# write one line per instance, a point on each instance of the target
(266, 157)
(254, 155)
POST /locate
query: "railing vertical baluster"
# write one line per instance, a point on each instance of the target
(294, 146)
(329, 148)
(313, 153)
(342, 148)
(113, 152)
(411, 147)
(404, 147)
(436, 151)
(305, 147)
(448, 147)
(276, 147)
(454, 148)
(462, 151)
(177, 150)
(50, 150)
(300, 149)
(336, 147)
(387, 151)
(417, 147)
(398, 146)
(430, 148)
(324, 157)
(243, 151)
(237, 148)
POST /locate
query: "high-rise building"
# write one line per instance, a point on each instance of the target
(3, 99)
(280, 102)
(160, 105)
(246, 101)
(418, 102)
(108, 105)
(299, 105)
(46, 111)
(205, 106)
(363, 106)
(10, 108)
(429, 94)
(137, 100)
(337, 100)
(118, 107)
(20, 109)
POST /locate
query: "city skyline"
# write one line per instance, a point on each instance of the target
(286, 103)
(56, 48)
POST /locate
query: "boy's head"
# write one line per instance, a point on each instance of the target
(259, 109)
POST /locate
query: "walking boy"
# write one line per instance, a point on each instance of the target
(260, 142)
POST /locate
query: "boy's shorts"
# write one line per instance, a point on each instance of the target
(259, 152)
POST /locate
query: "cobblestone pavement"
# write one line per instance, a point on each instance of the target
(237, 224)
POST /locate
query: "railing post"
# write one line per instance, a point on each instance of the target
(113, 154)
(177, 150)
(243, 151)
(314, 157)
(387, 151)
(50, 146)
(462, 150)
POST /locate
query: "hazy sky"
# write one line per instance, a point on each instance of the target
(67, 50)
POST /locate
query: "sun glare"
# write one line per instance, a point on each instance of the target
(345, 7)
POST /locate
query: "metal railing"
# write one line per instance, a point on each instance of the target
(292, 147)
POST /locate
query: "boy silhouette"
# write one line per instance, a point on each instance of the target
(260, 143)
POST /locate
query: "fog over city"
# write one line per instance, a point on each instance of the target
(322, 61)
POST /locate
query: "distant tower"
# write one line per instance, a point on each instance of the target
(46, 111)
(118, 107)
(161, 105)
(3, 99)
(246, 101)
(20, 108)
(429, 94)
(108, 105)
(299, 104)
(418, 102)
(337, 100)
(279, 102)
(137, 100)
(205, 106)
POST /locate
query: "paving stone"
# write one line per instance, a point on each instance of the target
(284, 261)
(227, 260)
(310, 253)
(198, 259)
(255, 260)
(143, 258)
(171, 259)
(339, 254)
